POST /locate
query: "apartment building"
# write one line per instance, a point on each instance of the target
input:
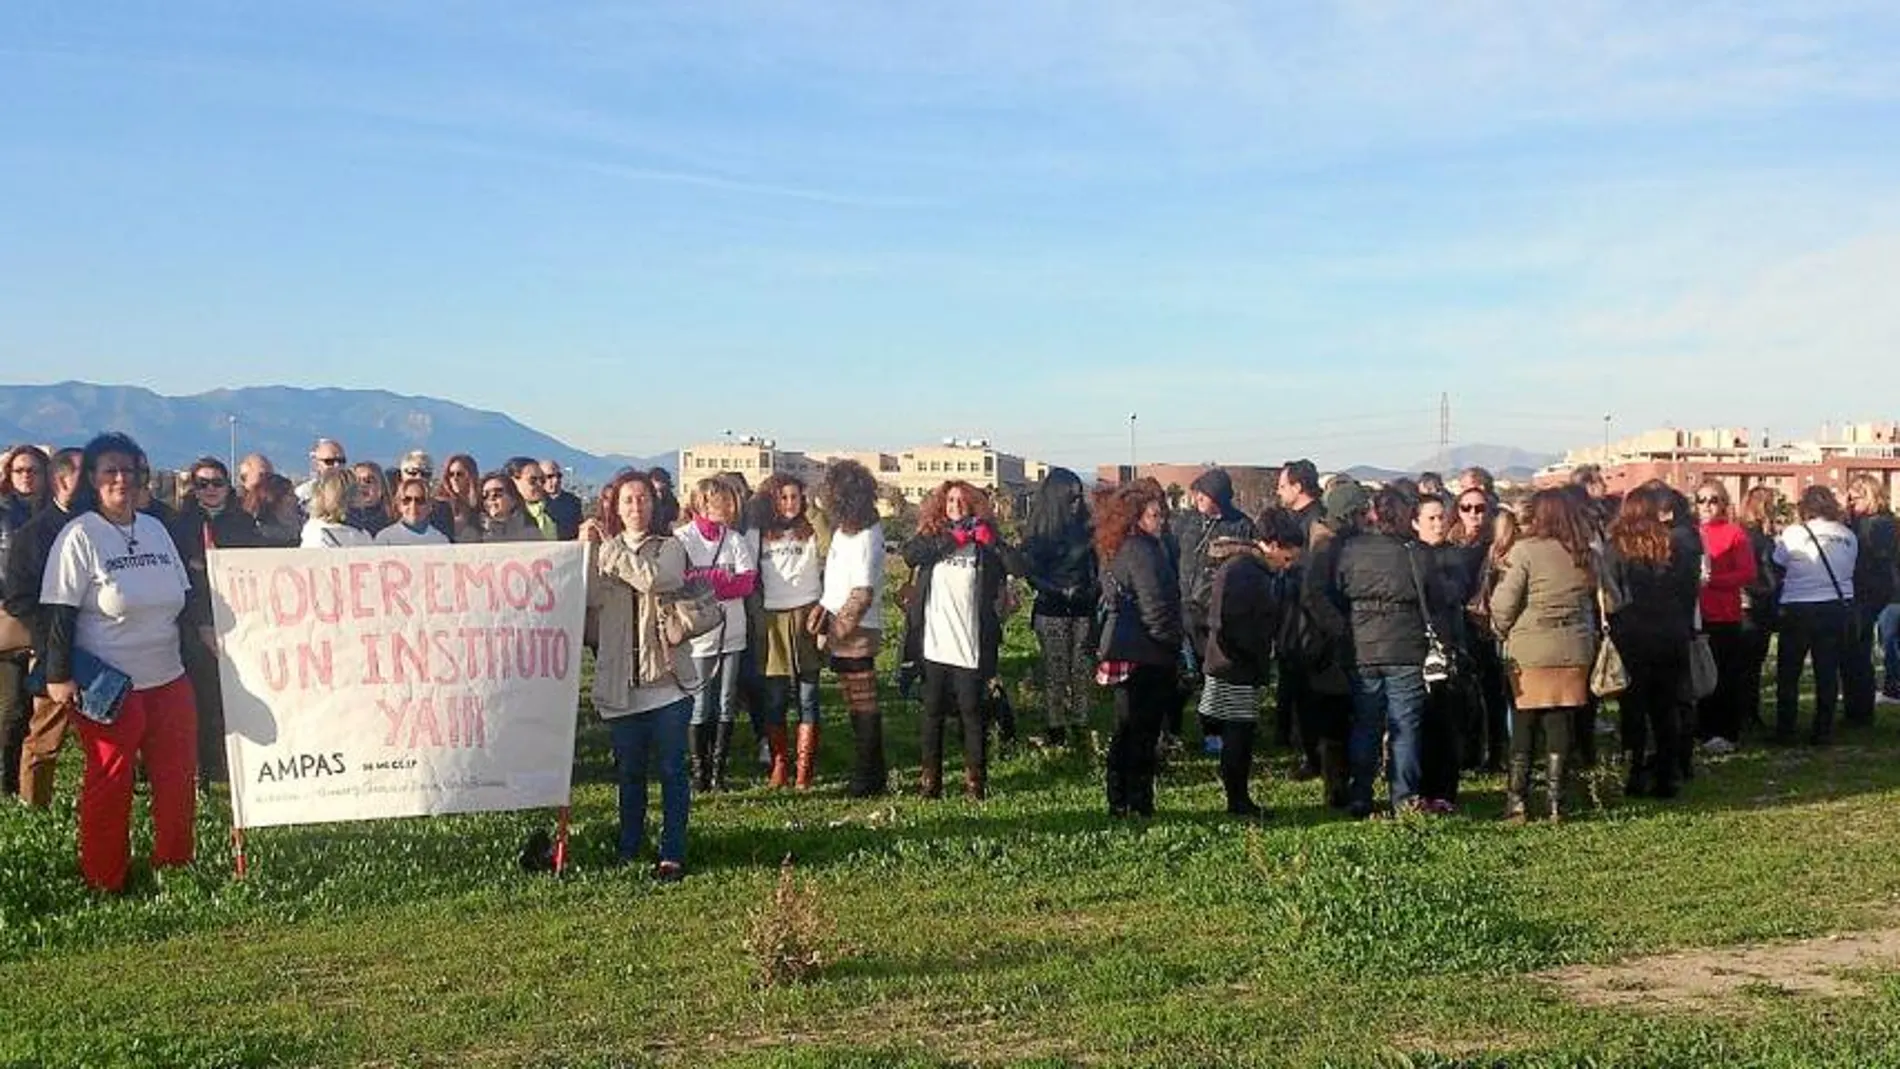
(973, 460)
(754, 457)
(1732, 456)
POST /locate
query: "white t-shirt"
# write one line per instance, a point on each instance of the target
(1806, 582)
(856, 560)
(399, 534)
(129, 591)
(734, 554)
(319, 534)
(950, 616)
(790, 573)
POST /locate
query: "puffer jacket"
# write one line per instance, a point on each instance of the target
(624, 587)
(1251, 603)
(1141, 581)
(1374, 584)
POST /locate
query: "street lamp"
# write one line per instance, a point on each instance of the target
(232, 419)
(1606, 437)
(1133, 464)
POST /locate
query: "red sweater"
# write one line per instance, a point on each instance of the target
(1731, 567)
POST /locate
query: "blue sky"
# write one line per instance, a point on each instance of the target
(1268, 228)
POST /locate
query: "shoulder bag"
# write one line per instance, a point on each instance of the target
(1438, 665)
(1608, 677)
(1850, 627)
(1703, 676)
(693, 610)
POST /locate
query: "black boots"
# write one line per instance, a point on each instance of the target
(1332, 771)
(1236, 766)
(699, 752)
(868, 774)
(1516, 787)
(721, 751)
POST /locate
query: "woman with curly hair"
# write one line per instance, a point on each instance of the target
(272, 502)
(954, 626)
(791, 578)
(1059, 556)
(1140, 640)
(1544, 610)
(1650, 586)
(851, 625)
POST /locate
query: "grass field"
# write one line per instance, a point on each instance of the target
(1025, 930)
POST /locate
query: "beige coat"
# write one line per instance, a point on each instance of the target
(1544, 607)
(624, 586)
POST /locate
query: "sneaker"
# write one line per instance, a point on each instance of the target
(668, 872)
(1211, 745)
(1718, 747)
(765, 754)
(1884, 698)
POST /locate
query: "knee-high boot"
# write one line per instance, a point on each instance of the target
(1516, 786)
(807, 756)
(699, 751)
(721, 752)
(1555, 771)
(1236, 766)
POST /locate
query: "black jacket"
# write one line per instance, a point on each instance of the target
(1373, 587)
(1062, 571)
(1140, 582)
(995, 563)
(1249, 610)
(231, 529)
(1195, 534)
(1652, 605)
(15, 513)
(26, 568)
(1875, 582)
(566, 509)
(1452, 576)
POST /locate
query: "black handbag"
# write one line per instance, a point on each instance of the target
(1118, 619)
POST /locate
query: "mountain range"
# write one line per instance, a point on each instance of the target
(1505, 462)
(282, 421)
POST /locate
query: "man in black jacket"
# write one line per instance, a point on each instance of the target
(564, 505)
(1293, 713)
(25, 568)
(1212, 516)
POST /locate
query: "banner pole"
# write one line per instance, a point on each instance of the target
(239, 864)
(560, 843)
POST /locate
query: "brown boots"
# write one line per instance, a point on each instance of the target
(807, 756)
(781, 761)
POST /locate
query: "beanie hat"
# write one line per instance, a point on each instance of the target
(1344, 502)
(1217, 484)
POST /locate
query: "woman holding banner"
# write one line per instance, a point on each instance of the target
(637, 675)
(113, 593)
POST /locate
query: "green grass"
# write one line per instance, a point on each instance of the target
(1026, 930)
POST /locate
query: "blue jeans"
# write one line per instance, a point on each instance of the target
(659, 735)
(718, 692)
(1386, 700)
(1889, 624)
(778, 697)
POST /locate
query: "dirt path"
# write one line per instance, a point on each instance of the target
(1701, 978)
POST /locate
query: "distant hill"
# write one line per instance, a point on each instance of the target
(282, 422)
(1503, 461)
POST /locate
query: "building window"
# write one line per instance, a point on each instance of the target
(989, 464)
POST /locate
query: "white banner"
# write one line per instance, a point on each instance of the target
(398, 681)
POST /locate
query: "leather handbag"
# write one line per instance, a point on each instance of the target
(695, 609)
(15, 637)
(1608, 677)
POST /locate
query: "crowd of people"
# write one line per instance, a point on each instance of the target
(1421, 629)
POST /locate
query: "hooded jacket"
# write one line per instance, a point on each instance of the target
(1062, 571)
(1248, 612)
(1196, 534)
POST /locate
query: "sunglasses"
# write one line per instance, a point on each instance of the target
(416, 473)
(209, 484)
(28, 470)
(1471, 510)
(413, 500)
(494, 495)
(1708, 501)
(331, 462)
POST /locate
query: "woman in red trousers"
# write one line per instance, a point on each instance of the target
(113, 592)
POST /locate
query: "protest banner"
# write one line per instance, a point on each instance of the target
(397, 681)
